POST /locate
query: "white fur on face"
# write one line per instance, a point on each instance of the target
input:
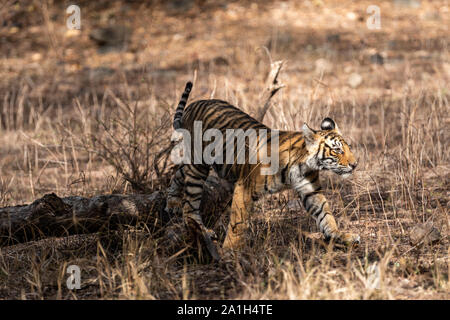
(347, 175)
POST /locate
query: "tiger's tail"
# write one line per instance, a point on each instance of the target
(181, 106)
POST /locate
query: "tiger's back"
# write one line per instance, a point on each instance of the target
(222, 116)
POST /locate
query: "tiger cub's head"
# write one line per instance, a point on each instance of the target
(328, 149)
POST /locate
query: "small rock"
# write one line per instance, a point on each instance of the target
(377, 58)
(177, 37)
(355, 80)
(334, 38)
(221, 61)
(425, 233)
(393, 44)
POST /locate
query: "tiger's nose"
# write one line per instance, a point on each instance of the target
(353, 165)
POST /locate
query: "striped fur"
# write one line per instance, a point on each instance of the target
(181, 106)
(302, 155)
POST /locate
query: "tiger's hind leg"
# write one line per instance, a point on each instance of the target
(175, 192)
(238, 218)
(195, 176)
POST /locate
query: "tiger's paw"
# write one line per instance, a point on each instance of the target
(174, 202)
(208, 236)
(174, 205)
(211, 234)
(350, 239)
(346, 239)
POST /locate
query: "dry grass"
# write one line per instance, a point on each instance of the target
(77, 121)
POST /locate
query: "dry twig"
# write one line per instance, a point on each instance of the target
(272, 87)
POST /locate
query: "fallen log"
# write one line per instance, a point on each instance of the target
(54, 216)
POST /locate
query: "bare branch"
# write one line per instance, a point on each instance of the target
(272, 87)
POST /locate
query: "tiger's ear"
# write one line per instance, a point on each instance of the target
(329, 124)
(309, 134)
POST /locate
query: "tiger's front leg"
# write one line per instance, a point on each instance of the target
(316, 205)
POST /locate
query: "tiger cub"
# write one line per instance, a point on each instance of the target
(301, 156)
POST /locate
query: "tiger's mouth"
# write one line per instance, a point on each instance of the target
(345, 172)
